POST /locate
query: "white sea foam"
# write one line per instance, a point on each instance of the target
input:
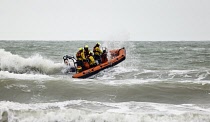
(23, 88)
(112, 72)
(129, 82)
(80, 111)
(6, 75)
(15, 63)
(180, 71)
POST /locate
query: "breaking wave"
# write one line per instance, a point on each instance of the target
(31, 65)
(90, 111)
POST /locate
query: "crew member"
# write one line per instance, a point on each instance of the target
(91, 60)
(104, 56)
(86, 51)
(80, 58)
(97, 53)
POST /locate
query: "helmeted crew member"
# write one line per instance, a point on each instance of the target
(86, 51)
(91, 60)
(80, 57)
(86, 54)
(97, 52)
(104, 56)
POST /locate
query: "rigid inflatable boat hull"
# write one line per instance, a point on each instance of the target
(119, 56)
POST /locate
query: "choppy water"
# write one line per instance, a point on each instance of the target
(158, 81)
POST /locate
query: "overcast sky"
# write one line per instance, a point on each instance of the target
(136, 20)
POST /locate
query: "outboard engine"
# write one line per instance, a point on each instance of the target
(66, 60)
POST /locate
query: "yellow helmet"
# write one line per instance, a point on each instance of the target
(80, 49)
(86, 46)
(90, 53)
(98, 44)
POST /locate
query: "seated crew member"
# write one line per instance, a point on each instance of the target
(97, 53)
(80, 58)
(91, 60)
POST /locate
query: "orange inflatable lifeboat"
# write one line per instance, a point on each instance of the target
(117, 56)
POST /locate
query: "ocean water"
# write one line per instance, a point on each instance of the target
(157, 82)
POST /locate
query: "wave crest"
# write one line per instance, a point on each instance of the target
(34, 64)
